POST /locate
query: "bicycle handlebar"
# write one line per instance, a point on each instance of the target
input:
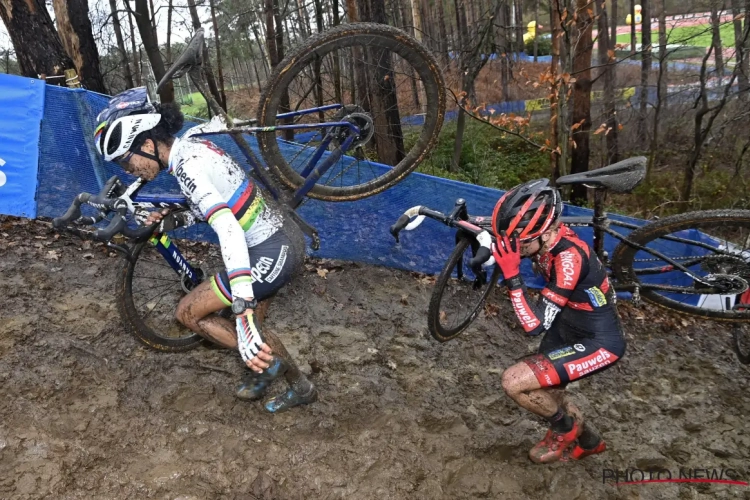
(458, 217)
(105, 204)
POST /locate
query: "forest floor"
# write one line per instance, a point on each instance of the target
(88, 412)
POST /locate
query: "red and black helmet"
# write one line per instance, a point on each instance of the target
(528, 209)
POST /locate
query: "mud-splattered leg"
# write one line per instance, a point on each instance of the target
(195, 312)
(301, 390)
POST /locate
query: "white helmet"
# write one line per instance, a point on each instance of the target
(126, 116)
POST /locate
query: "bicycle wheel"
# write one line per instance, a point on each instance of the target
(458, 294)
(372, 75)
(150, 290)
(713, 244)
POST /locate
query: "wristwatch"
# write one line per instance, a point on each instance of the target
(240, 305)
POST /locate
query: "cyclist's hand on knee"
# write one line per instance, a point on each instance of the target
(254, 351)
(262, 360)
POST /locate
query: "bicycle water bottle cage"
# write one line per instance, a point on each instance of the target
(620, 177)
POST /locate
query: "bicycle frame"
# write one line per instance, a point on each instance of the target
(312, 172)
(600, 224)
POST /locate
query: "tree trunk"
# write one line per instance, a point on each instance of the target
(170, 7)
(145, 29)
(222, 92)
(74, 28)
(38, 48)
(613, 27)
(536, 24)
(134, 50)
(741, 55)
(554, 100)
(417, 19)
(716, 38)
(663, 61)
(632, 27)
(443, 42)
(388, 138)
(264, 56)
(207, 71)
(661, 88)
(645, 67)
(518, 21)
(461, 55)
(121, 44)
(581, 98)
(607, 68)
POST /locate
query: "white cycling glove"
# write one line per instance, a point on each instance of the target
(249, 338)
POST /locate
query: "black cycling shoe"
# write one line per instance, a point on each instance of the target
(290, 399)
(255, 385)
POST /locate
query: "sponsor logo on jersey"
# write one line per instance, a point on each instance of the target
(580, 367)
(568, 268)
(213, 147)
(561, 353)
(187, 182)
(579, 347)
(528, 320)
(261, 268)
(279, 264)
(543, 369)
(596, 296)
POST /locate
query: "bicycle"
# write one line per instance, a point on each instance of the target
(696, 262)
(353, 109)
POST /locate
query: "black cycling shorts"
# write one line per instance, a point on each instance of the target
(567, 354)
(272, 263)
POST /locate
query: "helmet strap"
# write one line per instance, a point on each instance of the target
(154, 157)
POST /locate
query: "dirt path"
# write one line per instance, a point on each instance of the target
(87, 412)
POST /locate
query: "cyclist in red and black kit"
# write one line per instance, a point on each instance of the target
(576, 313)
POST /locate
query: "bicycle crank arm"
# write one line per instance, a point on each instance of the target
(306, 228)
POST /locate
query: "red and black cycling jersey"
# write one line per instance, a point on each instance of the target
(578, 291)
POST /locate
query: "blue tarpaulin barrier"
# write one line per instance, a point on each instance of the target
(21, 111)
(354, 231)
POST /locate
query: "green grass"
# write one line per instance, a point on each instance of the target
(699, 35)
(488, 157)
(197, 108)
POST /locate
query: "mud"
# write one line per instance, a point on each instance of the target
(87, 412)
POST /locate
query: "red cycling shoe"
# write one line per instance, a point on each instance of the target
(551, 448)
(575, 452)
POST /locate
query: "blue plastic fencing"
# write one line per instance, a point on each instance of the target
(354, 231)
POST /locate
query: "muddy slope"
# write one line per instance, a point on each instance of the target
(87, 412)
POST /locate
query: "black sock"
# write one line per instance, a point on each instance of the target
(588, 439)
(560, 421)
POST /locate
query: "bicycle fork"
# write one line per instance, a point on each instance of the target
(172, 255)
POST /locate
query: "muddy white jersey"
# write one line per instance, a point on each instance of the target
(219, 192)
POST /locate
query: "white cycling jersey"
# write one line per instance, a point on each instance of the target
(219, 192)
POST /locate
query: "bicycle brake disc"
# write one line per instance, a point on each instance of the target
(356, 115)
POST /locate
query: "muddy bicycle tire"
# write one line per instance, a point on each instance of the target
(436, 311)
(133, 317)
(315, 49)
(712, 223)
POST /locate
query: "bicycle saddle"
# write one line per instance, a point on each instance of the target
(620, 177)
(189, 59)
